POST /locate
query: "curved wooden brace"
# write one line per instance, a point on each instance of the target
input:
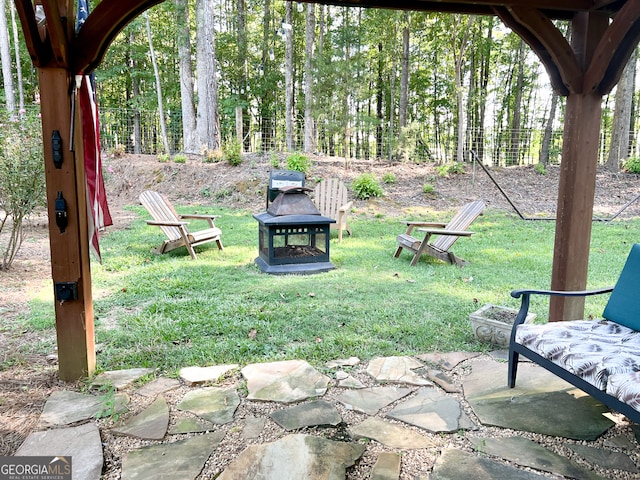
(614, 50)
(39, 51)
(100, 28)
(548, 43)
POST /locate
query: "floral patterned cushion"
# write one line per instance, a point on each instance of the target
(596, 351)
(626, 388)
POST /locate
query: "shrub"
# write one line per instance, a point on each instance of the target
(428, 188)
(540, 168)
(299, 163)
(211, 156)
(274, 160)
(22, 180)
(632, 165)
(180, 158)
(232, 152)
(454, 168)
(366, 186)
(163, 157)
(389, 177)
(118, 151)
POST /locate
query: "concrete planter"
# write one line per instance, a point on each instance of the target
(493, 324)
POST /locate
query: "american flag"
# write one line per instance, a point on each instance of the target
(98, 215)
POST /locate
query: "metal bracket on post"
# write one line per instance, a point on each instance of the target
(56, 148)
(65, 291)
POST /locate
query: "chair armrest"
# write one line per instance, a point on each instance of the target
(444, 231)
(166, 223)
(425, 224)
(526, 298)
(200, 216)
(346, 206)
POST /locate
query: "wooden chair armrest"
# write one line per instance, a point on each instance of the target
(166, 223)
(425, 224)
(444, 231)
(346, 206)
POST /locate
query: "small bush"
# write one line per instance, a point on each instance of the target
(428, 188)
(454, 168)
(180, 158)
(631, 165)
(274, 160)
(212, 156)
(232, 152)
(163, 157)
(299, 163)
(540, 169)
(389, 177)
(366, 186)
(118, 151)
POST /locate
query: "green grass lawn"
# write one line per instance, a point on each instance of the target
(169, 311)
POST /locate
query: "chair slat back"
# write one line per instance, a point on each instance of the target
(329, 196)
(161, 211)
(461, 221)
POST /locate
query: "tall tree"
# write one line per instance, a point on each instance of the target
(156, 74)
(548, 130)
(460, 35)
(309, 124)
(619, 146)
(16, 48)
(288, 76)
(208, 120)
(189, 137)
(5, 56)
(243, 81)
(404, 76)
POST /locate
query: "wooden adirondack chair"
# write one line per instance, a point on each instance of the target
(447, 234)
(174, 226)
(330, 197)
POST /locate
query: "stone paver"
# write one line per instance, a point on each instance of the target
(197, 375)
(324, 460)
(183, 459)
(212, 403)
(150, 424)
(538, 402)
(396, 369)
(285, 382)
(120, 379)
(81, 443)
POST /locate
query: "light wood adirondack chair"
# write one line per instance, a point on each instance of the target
(330, 197)
(447, 234)
(174, 226)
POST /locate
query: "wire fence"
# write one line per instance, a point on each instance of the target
(138, 131)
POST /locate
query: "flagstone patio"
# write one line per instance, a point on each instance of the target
(435, 416)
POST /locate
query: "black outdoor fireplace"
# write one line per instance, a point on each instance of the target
(293, 237)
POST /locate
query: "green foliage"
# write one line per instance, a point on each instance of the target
(428, 188)
(389, 177)
(163, 157)
(366, 186)
(454, 168)
(274, 160)
(118, 151)
(22, 180)
(540, 169)
(180, 158)
(632, 165)
(299, 162)
(232, 152)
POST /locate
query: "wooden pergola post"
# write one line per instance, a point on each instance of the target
(70, 267)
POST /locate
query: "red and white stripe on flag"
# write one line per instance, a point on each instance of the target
(98, 215)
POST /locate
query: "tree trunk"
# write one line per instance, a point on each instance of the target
(288, 77)
(208, 122)
(548, 130)
(16, 45)
(243, 94)
(619, 146)
(5, 56)
(156, 73)
(513, 154)
(379, 96)
(189, 138)
(135, 95)
(404, 76)
(459, 51)
(309, 126)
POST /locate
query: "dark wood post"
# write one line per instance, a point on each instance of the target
(70, 267)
